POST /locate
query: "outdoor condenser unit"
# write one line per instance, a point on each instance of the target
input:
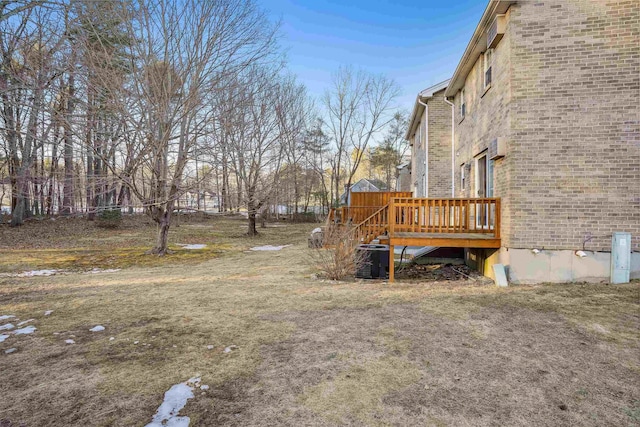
(620, 257)
(375, 263)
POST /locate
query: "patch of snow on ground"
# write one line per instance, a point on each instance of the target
(10, 350)
(34, 273)
(100, 271)
(24, 331)
(6, 316)
(48, 312)
(24, 322)
(269, 248)
(174, 400)
(70, 341)
(3, 337)
(230, 348)
(193, 246)
(97, 328)
(7, 327)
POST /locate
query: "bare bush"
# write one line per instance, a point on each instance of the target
(339, 257)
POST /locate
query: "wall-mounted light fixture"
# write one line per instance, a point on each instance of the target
(581, 254)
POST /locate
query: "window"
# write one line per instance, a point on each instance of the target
(463, 106)
(462, 180)
(488, 62)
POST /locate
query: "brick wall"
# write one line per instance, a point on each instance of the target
(565, 94)
(575, 141)
(488, 117)
(418, 168)
(439, 167)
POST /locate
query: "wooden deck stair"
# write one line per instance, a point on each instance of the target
(407, 221)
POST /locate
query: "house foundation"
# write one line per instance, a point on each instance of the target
(529, 266)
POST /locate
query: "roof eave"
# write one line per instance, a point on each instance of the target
(424, 95)
(475, 47)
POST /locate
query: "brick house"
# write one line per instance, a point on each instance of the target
(429, 135)
(546, 118)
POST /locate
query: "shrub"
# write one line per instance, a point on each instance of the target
(109, 218)
(339, 258)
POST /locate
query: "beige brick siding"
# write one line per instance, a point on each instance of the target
(565, 94)
(488, 117)
(417, 161)
(575, 142)
(439, 167)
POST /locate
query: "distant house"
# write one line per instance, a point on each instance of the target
(403, 180)
(363, 186)
(429, 135)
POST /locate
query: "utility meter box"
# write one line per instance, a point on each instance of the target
(620, 257)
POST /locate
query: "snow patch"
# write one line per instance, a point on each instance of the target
(204, 387)
(7, 327)
(24, 322)
(7, 316)
(209, 347)
(174, 400)
(100, 271)
(10, 350)
(48, 312)
(230, 348)
(34, 273)
(269, 248)
(24, 331)
(3, 337)
(70, 341)
(192, 246)
(97, 328)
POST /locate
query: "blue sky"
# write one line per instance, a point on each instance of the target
(417, 43)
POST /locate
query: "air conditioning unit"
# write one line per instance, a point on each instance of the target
(497, 148)
(496, 31)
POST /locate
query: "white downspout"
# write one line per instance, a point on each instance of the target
(453, 150)
(426, 146)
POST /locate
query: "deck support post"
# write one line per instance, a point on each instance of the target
(391, 264)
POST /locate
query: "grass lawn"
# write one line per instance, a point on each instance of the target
(309, 351)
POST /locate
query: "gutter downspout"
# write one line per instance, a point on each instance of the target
(453, 151)
(426, 146)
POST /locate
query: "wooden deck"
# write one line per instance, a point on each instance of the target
(449, 240)
(407, 221)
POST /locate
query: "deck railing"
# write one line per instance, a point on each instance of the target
(480, 215)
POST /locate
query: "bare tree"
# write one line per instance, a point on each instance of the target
(358, 106)
(389, 154)
(184, 52)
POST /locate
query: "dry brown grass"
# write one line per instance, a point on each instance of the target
(311, 352)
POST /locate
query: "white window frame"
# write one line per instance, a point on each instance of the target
(487, 60)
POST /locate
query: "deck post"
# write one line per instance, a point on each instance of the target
(392, 223)
(391, 264)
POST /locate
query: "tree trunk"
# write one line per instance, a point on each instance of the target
(164, 222)
(252, 231)
(68, 198)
